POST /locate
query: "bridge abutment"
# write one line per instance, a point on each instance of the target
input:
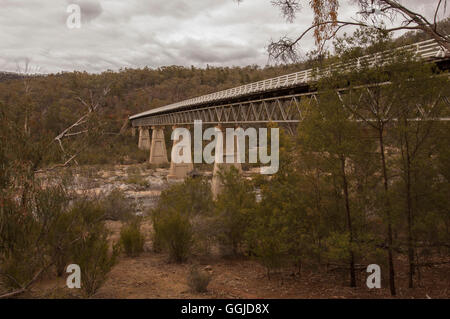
(158, 152)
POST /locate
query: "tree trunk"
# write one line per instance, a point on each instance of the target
(349, 223)
(409, 212)
(388, 213)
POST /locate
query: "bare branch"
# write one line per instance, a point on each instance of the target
(288, 8)
(24, 288)
(326, 25)
(436, 14)
(284, 48)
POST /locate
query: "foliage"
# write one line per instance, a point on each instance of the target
(92, 254)
(347, 186)
(117, 206)
(198, 280)
(232, 209)
(131, 238)
(48, 230)
(190, 198)
(189, 202)
(20, 257)
(173, 231)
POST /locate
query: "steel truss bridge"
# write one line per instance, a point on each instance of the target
(283, 99)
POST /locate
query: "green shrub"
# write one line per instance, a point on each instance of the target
(198, 280)
(61, 237)
(93, 255)
(28, 237)
(131, 239)
(90, 248)
(270, 253)
(232, 210)
(58, 220)
(192, 197)
(175, 219)
(174, 232)
(117, 206)
(46, 231)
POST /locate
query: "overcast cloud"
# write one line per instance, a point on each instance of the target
(137, 33)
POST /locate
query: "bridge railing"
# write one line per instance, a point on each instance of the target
(428, 49)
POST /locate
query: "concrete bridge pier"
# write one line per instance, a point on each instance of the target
(144, 138)
(158, 152)
(179, 170)
(222, 164)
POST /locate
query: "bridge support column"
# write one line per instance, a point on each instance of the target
(223, 165)
(133, 131)
(179, 170)
(144, 138)
(158, 153)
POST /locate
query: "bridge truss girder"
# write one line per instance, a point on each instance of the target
(283, 110)
(287, 111)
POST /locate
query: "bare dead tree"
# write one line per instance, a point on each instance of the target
(27, 71)
(81, 126)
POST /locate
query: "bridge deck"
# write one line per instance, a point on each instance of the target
(427, 50)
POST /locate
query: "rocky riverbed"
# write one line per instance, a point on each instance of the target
(140, 183)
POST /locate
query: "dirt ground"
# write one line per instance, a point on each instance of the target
(152, 276)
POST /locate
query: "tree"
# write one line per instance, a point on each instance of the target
(404, 89)
(232, 209)
(280, 231)
(420, 107)
(372, 14)
(179, 211)
(339, 146)
(372, 103)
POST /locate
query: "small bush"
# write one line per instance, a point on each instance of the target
(174, 232)
(131, 239)
(29, 234)
(91, 250)
(232, 210)
(198, 280)
(95, 260)
(61, 237)
(117, 206)
(270, 253)
(183, 213)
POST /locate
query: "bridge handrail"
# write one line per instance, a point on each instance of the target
(424, 49)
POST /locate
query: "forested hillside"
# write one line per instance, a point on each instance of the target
(49, 104)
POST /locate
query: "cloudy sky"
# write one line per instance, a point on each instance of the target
(135, 33)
